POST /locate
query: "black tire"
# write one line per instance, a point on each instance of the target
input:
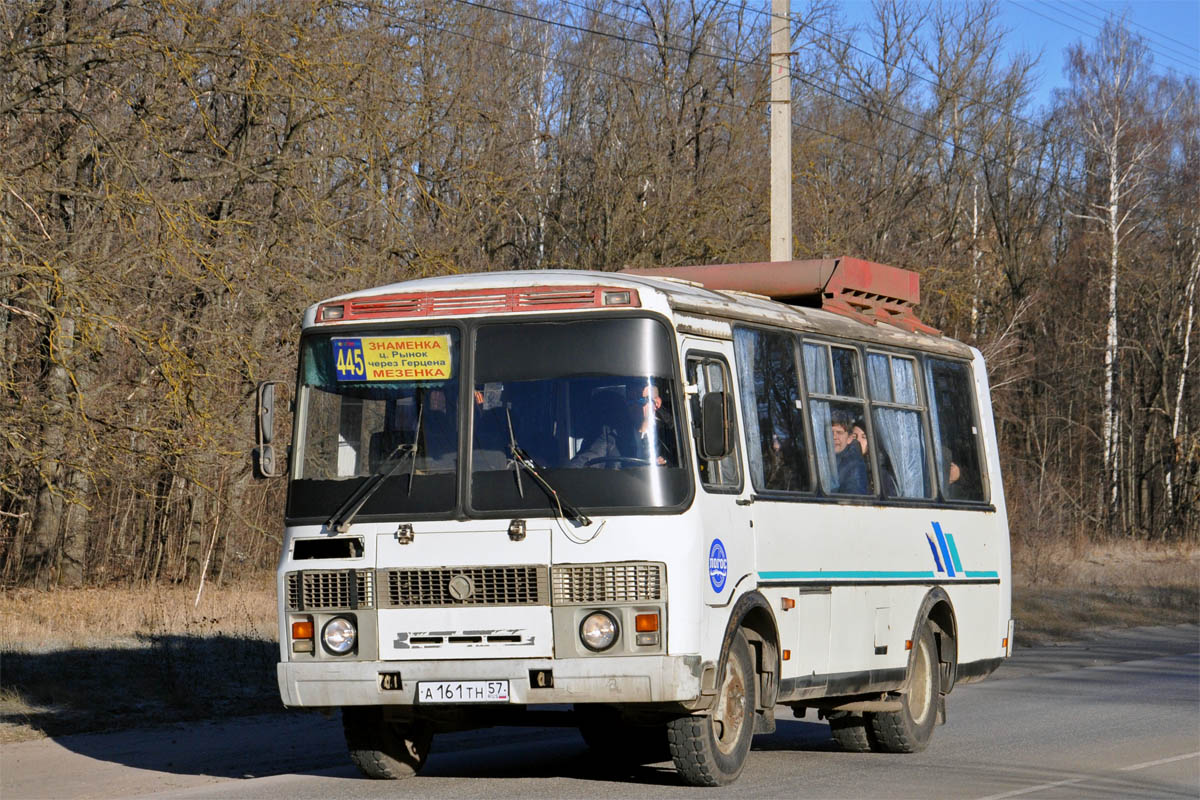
(909, 729)
(607, 735)
(710, 750)
(383, 749)
(850, 731)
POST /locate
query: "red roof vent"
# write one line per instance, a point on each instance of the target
(863, 290)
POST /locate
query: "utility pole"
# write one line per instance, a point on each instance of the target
(781, 130)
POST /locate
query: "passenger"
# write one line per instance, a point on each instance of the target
(888, 476)
(851, 467)
(958, 487)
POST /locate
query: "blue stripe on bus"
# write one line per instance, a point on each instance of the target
(953, 552)
(941, 537)
(844, 574)
(984, 574)
(937, 559)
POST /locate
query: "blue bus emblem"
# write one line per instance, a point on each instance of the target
(718, 565)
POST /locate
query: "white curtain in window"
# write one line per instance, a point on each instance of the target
(904, 382)
(901, 448)
(816, 374)
(938, 455)
(878, 377)
(745, 340)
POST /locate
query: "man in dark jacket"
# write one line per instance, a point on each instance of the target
(851, 467)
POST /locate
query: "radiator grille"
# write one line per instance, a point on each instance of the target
(329, 589)
(607, 583)
(485, 586)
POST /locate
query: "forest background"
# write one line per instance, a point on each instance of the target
(179, 180)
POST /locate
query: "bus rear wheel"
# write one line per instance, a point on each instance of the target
(909, 729)
(384, 749)
(711, 750)
(849, 730)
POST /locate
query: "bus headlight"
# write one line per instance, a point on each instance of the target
(339, 635)
(598, 631)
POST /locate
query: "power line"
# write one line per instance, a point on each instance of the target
(1188, 52)
(1036, 178)
(1190, 47)
(744, 62)
(896, 65)
(1056, 21)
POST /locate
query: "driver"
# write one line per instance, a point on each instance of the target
(615, 438)
(656, 428)
(641, 432)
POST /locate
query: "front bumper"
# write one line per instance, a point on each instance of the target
(634, 679)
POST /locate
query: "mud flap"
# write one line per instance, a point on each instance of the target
(764, 721)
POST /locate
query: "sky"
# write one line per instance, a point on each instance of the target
(1171, 29)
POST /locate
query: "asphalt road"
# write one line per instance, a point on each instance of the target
(1117, 716)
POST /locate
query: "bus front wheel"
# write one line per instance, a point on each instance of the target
(384, 749)
(909, 729)
(711, 750)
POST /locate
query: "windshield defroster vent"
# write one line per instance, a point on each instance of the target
(472, 301)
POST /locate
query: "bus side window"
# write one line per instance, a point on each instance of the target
(770, 384)
(899, 435)
(836, 406)
(955, 430)
(711, 375)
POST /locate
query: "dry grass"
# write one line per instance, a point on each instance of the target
(81, 617)
(1064, 590)
(92, 659)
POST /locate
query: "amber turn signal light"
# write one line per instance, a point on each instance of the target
(302, 629)
(646, 623)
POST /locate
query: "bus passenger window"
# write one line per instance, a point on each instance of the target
(835, 408)
(955, 431)
(770, 384)
(898, 433)
(710, 375)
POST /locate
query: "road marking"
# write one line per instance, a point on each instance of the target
(1069, 781)
(1038, 788)
(1160, 761)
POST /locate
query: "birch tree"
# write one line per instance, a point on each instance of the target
(1110, 93)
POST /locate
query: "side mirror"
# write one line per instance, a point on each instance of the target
(265, 460)
(716, 425)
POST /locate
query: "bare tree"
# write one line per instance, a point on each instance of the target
(1110, 93)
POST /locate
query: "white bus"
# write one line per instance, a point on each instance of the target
(655, 505)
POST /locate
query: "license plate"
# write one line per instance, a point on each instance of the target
(462, 692)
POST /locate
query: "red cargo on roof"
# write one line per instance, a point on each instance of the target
(860, 289)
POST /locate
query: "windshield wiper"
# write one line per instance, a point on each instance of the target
(341, 519)
(522, 461)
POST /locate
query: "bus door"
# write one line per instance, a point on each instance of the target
(722, 510)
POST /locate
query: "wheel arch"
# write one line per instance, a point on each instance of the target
(938, 610)
(752, 615)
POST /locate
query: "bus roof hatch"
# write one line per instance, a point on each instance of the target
(860, 289)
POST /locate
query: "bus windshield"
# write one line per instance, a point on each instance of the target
(367, 400)
(592, 404)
